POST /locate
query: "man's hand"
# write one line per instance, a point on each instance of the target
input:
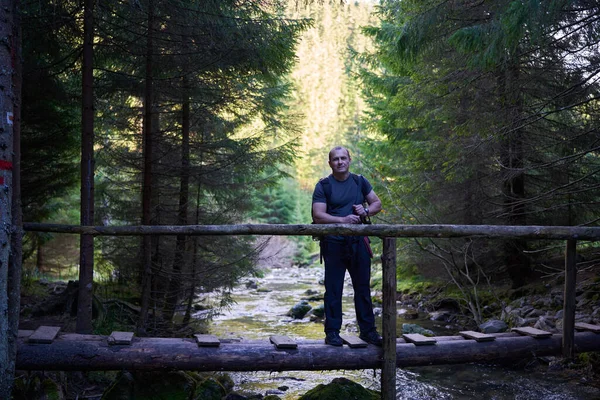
(351, 219)
(359, 210)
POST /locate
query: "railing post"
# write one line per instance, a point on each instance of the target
(388, 370)
(568, 338)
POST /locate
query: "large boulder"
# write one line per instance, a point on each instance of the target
(493, 326)
(340, 389)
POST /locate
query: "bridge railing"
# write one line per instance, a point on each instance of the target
(389, 233)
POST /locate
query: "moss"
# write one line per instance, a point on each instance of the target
(209, 389)
(340, 389)
(51, 390)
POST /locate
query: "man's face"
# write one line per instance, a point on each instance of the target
(339, 161)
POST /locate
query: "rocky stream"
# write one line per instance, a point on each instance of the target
(262, 308)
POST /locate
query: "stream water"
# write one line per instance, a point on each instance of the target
(261, 312)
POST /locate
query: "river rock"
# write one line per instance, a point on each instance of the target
(317, 312)
(409, 313)
(414, 328)
(251, 285)
(440, 316)
(493, 326)
(340, 389)
(300, 310)
(545, 324)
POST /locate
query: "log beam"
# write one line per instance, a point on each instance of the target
(72, 352)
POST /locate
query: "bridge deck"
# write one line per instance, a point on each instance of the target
(69, 351)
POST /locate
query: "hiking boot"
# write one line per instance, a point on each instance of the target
(333, 339)
(372, 338)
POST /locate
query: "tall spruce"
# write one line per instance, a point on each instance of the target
(489, 109)
(217, 88)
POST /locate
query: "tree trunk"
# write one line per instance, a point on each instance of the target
(174, 290)
(194, 262)
(10, 195)
(147, 173)
(86, 244)
(513, 184)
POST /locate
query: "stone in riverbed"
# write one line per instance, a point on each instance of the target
(340, 389)
(300, 310)
(493, 326)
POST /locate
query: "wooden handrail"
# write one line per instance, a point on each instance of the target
(379, 230)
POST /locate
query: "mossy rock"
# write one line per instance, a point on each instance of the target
(271, 397)
(151, 386)
(340, 389)
(36, 387)
(299, 310)
(319, 311)
(210, 389)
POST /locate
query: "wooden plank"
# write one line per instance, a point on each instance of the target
(207, 340)
(582, 326)
(533, 332)
(353, 341)
(44, 334)
(478, 336)
(117, 337)
(418, 339)
(283, 342)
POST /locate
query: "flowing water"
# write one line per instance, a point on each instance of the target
(261, 312)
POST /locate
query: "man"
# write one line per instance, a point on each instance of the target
(342, 203)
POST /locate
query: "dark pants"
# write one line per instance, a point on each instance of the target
(351, 255)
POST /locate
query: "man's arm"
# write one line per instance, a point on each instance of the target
(374, 205)
(320, 216)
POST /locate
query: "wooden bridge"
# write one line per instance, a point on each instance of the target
(49, 350)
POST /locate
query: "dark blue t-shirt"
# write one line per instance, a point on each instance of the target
(343, 195)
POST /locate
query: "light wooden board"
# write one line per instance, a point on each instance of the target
(533, 332)
(207, 340)
(283, 342)
(120, 338)
(582, 326)
(418, 339)
(44, 334)
(353, 341)
(478, 336)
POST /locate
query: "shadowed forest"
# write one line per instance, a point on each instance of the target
(154, 112)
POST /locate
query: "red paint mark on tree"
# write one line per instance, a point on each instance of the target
(5, 165)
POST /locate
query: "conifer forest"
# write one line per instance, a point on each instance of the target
(222, 112)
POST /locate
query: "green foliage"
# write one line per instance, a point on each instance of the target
(479, 114)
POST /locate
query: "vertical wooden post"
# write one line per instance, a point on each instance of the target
(388, 370)
(568, 338)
